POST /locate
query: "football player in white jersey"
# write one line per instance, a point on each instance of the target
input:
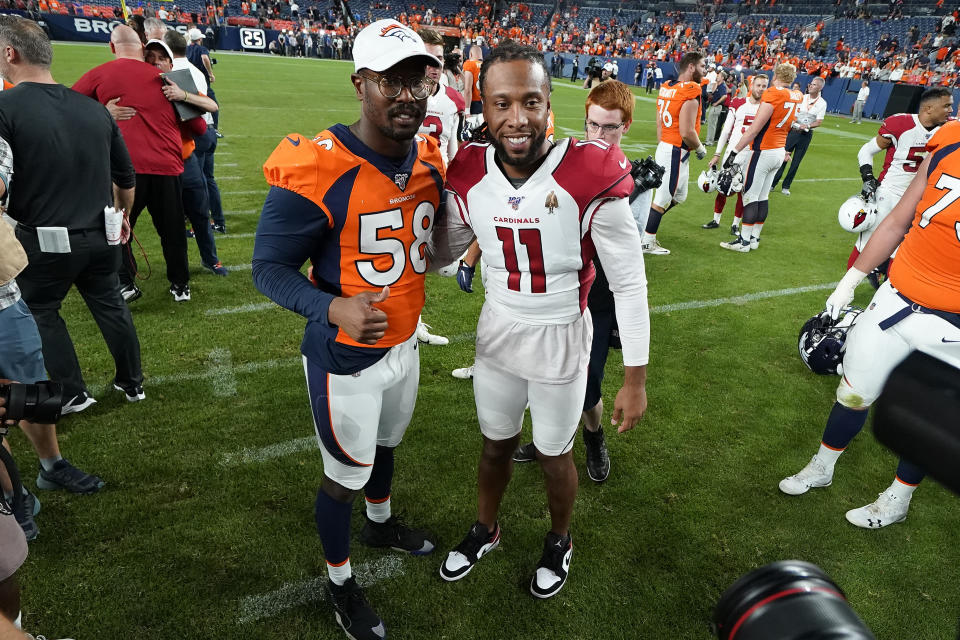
(737, 122)
(538, 210)
(445, 108)
(904, 138)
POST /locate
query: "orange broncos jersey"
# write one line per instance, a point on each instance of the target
(774, 133)
(669, 102)
(473, 66)
(927, 266)
(380, 214)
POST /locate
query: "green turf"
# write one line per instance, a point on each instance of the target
(177, 540)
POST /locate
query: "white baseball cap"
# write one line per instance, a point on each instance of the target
(194, 34)
(161, 44)
(384, 43)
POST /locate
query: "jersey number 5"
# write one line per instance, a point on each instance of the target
(372, 226)
(530, 239)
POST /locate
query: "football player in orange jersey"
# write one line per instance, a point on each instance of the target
(766, 138)
(917, 308)
(678, 131)
(359, 203)
(471, 79)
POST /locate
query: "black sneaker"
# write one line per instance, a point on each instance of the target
(525, 453)
(66, 476)
(713, 224)
(554, 565)
(181, 292)
(77, 403)
(190, 233)
(478, 543)
(134, 394)
(395, 535)
(734, 230)
(29, 507)
(353, 613)
(219, 228)
(130, 293)
(598, 460)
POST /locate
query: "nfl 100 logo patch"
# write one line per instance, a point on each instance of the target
(514, 201)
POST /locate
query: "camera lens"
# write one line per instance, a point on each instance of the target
(39, 403)
(787, 600)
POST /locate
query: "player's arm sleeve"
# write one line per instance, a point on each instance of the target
(867, 151)
(121, 167)
(452, 234)
(726, 131)
(617, 241)
(290, 228)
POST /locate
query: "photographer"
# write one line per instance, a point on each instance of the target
(66, 156)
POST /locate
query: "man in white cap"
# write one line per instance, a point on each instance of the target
(199, 56)
(359, 203)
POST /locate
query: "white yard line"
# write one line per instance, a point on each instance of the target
(244, 193)
(221, 373)
(244, 212)
(235, 236)
(295, 594)
(239, 267)
(279, 450)
(245, 308)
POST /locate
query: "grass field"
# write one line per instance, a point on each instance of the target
(205, 528)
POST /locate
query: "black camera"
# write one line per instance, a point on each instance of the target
(40, 402)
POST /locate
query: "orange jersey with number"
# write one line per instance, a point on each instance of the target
(473, 66)
(927, 266)
(669, 102)
(379, 215)
(550, 128)
(774, 133)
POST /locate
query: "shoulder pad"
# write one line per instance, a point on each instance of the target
(592, 169)
(457, 98)
(947, 134)
(468, 167)
(307, 167)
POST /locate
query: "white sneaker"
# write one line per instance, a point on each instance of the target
(785, 192)
(466, 373)
(737, 245)
(754, 244)
(424, 335)
(888, 509)
(812, 476)
(653, 247)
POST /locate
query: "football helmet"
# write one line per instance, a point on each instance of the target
(822, 341)
(730, 180)
(858, 214)
(707, 180)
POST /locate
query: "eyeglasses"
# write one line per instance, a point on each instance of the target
(392, 86)
(593, 127)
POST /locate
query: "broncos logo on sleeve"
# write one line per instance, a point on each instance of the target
(380, 212)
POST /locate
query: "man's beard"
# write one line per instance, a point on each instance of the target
(402, 135)
(523, 161)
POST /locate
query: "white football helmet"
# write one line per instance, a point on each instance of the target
(857, 214)
(707, 180)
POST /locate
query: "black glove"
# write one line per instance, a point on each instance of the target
(730, 160)
(479, 134)
(465, 276)
(870, 183)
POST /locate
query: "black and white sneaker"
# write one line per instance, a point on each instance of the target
(598, 459)
(554, 565)
(735, 230)
(395, 535)
(181, 292)
(713, 224)
(353, 613)
(130, 293)
(133, 394)
(525, 453)
(77, 403)
(737, 244)
(478, 543)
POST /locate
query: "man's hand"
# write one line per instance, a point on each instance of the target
(212, 78)
(465, 276)
(358, 317)
(629, 407)
(713, 161)
(870, 186)
(701, 152)
(118, 112)
(842, 296)
(173, 92)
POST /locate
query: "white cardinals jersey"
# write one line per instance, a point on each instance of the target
(908, 150)
(538, 240)
(737, 122)
(443, 120)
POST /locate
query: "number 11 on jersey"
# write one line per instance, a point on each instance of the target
(530, 239)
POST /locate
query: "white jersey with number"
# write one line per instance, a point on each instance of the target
(538, 240)
(908, 150)
(737, 122)
(443, 120)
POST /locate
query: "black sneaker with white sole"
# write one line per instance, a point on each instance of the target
(525, 453)
(66, 476)
(598, 459)
(353, 613)
(130, 293)
(133, 394)
(180, 292)
(478, 543)
(77, 403)
(395, 535)
(713, 224)
(554, 566)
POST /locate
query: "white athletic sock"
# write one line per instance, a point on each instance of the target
(901, 489)
(746, 232)
(757, 228)
(339, 574)
(717, 216)
(379, 511)
(828, 456)
(647, 238)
